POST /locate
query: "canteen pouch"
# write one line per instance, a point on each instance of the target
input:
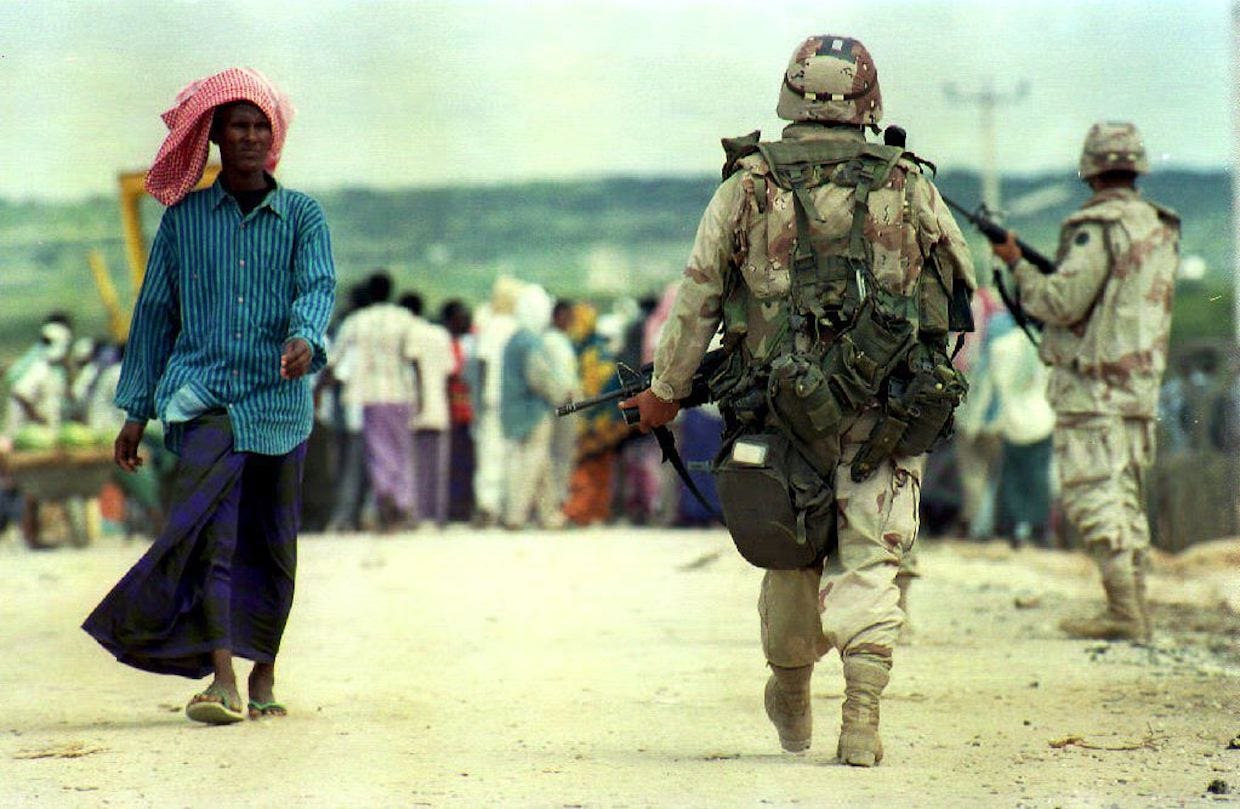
(810, 401)
(913, 421)
(807, 409)
(778, 509)
(930, 400)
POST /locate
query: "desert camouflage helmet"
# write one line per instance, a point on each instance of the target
(831, 78)
(1113, 147)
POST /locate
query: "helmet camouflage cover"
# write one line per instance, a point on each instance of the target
(1113, 147)
(831, 78)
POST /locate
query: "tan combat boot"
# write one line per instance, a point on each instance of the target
(1122, 618)
(865, 677)
(787, 700)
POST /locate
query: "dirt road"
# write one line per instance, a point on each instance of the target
(621, 667)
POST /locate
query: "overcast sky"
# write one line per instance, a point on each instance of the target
(394, 94)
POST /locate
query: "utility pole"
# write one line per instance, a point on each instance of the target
(987, 100)
(1235, 170)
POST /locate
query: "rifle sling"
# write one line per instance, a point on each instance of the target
(668, 444)
(1018, 314)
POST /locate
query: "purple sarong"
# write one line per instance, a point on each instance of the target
(430, 470)
(389, 453)
(220, 576)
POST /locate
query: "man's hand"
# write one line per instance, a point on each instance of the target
(654, 411)
(295, 360)
(125, 450)
(1007, 251)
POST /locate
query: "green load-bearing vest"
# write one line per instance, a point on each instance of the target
(843, 342)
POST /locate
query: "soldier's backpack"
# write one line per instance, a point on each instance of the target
(843, 344)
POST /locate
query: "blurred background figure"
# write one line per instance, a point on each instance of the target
(1025, 422)
(38, 391)
(38, 382)
(373, 357)
(495, 325)
(345, 415)
(563, 358)
(641, 490)
(531, 386)
(976, 442)
(590, 488)
(455, 317)
(430, 419)
(699, 432)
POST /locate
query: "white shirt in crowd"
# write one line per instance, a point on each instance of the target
(1025, 416)
(435, 359)
(563, 360)
(42, 385)
(373, 355)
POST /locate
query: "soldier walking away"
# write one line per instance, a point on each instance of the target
(230, 320)
(1107, 310)
(837, 273)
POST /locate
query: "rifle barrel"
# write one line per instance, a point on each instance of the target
(593, 401)
(996, 233)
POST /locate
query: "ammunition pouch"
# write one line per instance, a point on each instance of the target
(810, 399)
(914, 419)
(779, 510)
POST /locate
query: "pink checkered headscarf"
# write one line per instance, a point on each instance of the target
(178, 166)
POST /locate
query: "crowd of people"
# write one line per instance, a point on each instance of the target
(425, 421)
(410, 430)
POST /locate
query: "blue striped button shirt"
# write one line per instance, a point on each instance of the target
(223, 293)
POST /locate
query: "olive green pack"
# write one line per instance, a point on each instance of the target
(843, 343)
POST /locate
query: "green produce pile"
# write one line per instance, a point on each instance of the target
(71, 435)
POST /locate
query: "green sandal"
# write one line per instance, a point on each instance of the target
(213, 708)
(261, 709)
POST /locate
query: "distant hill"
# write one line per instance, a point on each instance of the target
(597, 238)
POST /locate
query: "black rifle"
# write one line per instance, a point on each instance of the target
(997, 234)
(699, 394)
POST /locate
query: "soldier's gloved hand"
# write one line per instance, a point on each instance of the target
(1007, 251)
(655, 412)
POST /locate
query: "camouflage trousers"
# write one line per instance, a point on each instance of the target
(852, 605)
(1102, 461)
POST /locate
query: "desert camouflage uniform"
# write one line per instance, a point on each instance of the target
(1108, 314)
(878, 518)
(1107, 311)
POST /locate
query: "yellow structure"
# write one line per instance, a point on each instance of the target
(132, 190)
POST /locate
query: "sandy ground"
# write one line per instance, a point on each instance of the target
(621, 667)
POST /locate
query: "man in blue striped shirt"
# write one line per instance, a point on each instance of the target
(231, 317)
